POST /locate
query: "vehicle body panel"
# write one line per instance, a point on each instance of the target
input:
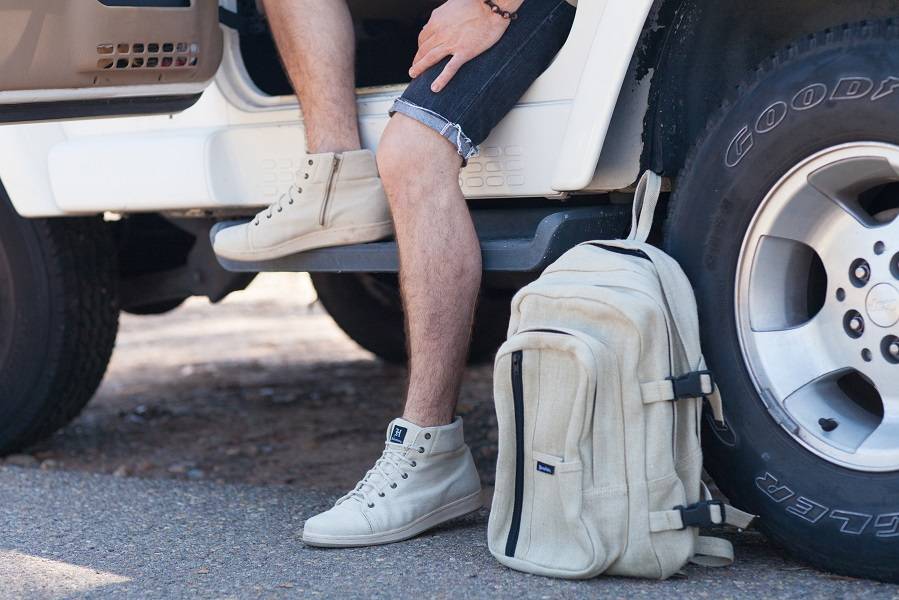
(238, 148)
(82, 50)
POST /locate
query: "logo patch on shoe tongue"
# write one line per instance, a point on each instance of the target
(398, 435)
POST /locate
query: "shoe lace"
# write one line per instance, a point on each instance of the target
(291, 197)
(388, 468)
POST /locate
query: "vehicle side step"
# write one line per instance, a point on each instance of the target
(512, 240)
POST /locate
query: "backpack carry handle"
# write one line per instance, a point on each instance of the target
(645, 201)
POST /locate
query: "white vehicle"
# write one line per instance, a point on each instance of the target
(776, 124)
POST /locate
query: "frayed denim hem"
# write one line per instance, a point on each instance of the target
(451, 131)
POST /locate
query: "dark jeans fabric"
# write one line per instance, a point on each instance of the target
(487, 88)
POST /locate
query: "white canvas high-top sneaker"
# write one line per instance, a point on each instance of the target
(337, 200)
(425, 476)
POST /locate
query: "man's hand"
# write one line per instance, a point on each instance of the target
(462, 29)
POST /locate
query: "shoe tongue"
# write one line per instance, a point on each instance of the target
(402, 432)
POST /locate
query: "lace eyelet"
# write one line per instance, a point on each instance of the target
(427, 436)
(280, 209)
(310, 163)
(268, 216)
(421, 449)
(405, 476)
(393, 486)
(381, 494)
(371, 504)
(256, 223)
(414, 464)
(299, 190)
(305, 175)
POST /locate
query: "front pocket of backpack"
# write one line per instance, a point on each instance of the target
(557, 536)
(545, 390)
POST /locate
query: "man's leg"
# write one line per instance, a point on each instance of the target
(338, 198)
(317, 45)
(426, 474)
(440, 263)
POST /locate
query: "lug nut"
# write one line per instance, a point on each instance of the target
(860, 272)
(854, 324)
(890, 348)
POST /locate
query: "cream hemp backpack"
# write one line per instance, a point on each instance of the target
(598, 395)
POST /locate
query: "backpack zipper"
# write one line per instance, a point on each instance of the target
(625, 251)
(335, 163)
(518, 403)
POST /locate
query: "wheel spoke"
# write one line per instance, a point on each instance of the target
(847, 178)
(883, 441)
(793, 358)
(890, 399)
(819, 221)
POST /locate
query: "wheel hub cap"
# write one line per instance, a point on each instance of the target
(817, 304)
(883, 305)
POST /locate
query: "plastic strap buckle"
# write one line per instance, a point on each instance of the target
(700, 514)
(690, 385)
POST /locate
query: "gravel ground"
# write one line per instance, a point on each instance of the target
(262, 388)
(218, 430)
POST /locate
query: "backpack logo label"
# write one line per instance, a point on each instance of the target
(545, 468)
(398, 434)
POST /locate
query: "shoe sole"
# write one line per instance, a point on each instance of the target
(326, 238)
(453, 510)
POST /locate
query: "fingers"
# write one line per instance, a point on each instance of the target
(425, 34)
(423, 50)
(427, 60)
(452, 67)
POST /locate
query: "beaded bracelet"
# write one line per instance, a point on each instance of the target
(511, 16)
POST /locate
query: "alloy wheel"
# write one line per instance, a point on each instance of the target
(817, 304)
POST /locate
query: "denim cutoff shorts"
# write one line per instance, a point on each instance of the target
(486, 88)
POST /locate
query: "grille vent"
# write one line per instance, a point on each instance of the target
(148, 55)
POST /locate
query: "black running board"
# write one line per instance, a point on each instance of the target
(512, 240)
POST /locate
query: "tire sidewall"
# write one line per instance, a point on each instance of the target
(368, 308)
(27, 321)
(844, 519)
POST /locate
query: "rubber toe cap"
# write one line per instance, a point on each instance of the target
(233, 242)
(338, 522)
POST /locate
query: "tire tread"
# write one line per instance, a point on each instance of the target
(79, 257)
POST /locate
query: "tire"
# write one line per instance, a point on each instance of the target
(368, 308)
(58, 321)
(829, 90)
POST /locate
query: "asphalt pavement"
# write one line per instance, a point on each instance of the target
(82, 535)
(219, 429)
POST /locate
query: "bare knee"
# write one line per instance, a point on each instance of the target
(393, 157)
(412, 152)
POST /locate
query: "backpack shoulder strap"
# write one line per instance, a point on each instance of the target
(645, 201)
(677, 291)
